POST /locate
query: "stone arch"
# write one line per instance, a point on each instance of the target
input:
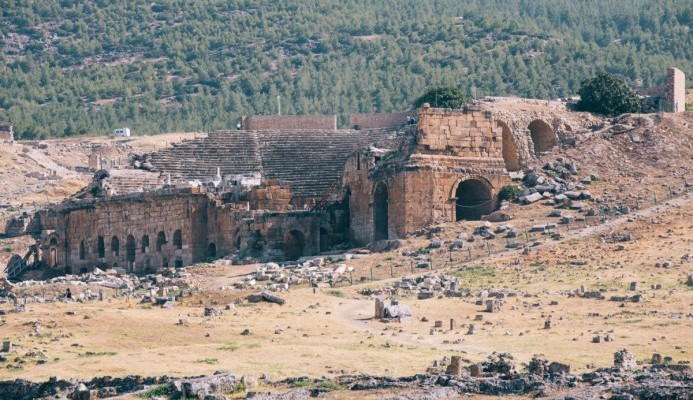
(473, 199)
(101, 247)
(510, 154)
(212, 250)
(130, 248)
(160, 240)
(177, 239)
(380, 212)
(164, 263)
(82, 252)
(324, 240)
(145, 244)
(543, 136)
(294, 245)
(178, 263)
(115, 246)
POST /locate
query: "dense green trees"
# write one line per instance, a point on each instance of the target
(607, 94)
(73, 67)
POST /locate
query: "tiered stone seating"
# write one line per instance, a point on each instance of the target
(123, 181)
(309, 161)
(234, 152)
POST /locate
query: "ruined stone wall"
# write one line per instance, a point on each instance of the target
(288, 122)
(454, 147)
(270, 196)
(675, 93)
(140, 217)
(469, 133)
(378, 120)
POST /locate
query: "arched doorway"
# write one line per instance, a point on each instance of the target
(82, 252)
(324, 240)
(543, 137)
(53, 253)
(473, 200)
(510, 156)
(115, 246)
(101, 247)
(212, 251)
(294, 244)
(380, 212)
(130, 248)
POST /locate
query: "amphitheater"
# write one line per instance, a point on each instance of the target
(296, 186)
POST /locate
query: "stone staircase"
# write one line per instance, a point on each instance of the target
(309, 161)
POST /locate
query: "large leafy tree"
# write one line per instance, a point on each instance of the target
(607, 94)
(442, 97)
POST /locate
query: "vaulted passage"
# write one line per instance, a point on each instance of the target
(473, 200)
(380, 212)
(115, 246)
(294, 243)
(542, 136)
(324, 240)
(512, 160)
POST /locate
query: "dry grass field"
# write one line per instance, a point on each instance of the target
(332, 332)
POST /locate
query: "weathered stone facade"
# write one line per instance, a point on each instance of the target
(675, 93)
(451, 169)
(280, 195)
(143, 232)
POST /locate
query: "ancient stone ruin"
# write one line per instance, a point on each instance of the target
(264, 193)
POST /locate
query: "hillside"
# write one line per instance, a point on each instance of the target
(74, 68)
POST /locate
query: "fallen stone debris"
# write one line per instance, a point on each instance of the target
(497, 376)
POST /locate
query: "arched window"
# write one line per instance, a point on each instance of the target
(177, 239)
(115, 246)
(160, 240)
(101, 247)
(145, 244)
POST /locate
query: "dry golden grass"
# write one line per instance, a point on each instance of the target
(322, 334)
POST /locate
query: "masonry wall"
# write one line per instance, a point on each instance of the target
(470, 133)
(377, 121)
(453, 147)
(288, 122)
(137, 216)
(675, 93)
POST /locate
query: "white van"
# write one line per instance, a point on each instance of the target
(122, 132)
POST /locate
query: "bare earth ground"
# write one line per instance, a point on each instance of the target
(331, 333)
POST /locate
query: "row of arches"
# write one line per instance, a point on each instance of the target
(543, 139)
(131, 245)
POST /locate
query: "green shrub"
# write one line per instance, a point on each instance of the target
(607, 94)
(442, 97)
(509, 192)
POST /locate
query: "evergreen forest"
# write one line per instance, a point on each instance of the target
(77, 67)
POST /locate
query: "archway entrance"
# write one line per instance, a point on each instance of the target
(542, 136)
(294, 243)
(380, 212)
(53, 253)
(512, 160)
(130, 249)
(324, 240)
(212, 251)
(473, 200)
